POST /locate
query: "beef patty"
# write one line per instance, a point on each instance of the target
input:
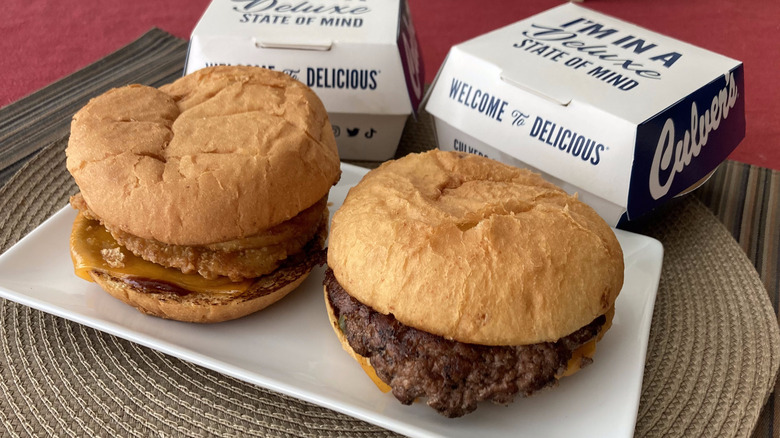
(453, 376)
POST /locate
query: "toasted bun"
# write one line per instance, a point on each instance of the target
(473, 250)
(220, 154)
(193, 307)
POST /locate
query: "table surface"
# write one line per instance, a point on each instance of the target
(44, 41)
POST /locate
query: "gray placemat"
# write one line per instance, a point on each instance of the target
(713, 354)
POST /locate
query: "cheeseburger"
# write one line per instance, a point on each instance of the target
(458, 279)
(206, 199)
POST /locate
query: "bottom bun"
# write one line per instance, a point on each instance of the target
(194, 306)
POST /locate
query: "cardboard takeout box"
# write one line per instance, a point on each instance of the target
(360, 57)
(626, 117)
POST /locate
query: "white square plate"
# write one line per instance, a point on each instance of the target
(306, 360)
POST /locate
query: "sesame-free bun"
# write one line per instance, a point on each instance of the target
(220, 154)
(193, 306)
(473, 250)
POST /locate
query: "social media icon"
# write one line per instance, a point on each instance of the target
(353, 131)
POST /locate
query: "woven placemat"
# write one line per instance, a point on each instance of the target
(712, 359)
(713, 351)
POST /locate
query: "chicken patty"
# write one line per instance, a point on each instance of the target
(237, 259)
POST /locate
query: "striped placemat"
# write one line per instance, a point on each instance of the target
(714, 344)
(44, 116)
(746, 199)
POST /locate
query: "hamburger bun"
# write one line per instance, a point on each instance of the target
(197, 307)
(222, 153)
(473, 252)
(222, 173)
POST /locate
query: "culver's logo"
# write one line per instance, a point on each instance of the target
(672, 157)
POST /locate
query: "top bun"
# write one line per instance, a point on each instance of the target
(473, 250)
(220, 154)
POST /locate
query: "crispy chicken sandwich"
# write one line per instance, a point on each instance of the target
(457, 279)
(206, 199)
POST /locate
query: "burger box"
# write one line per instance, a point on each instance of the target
(625, 117)
(360, 57)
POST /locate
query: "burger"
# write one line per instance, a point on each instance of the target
(204, 200)
(457, 279)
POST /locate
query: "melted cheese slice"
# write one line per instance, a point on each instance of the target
(92, 248)
(588, 349)
(371, 373)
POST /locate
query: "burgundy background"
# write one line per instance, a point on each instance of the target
(42, 41)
